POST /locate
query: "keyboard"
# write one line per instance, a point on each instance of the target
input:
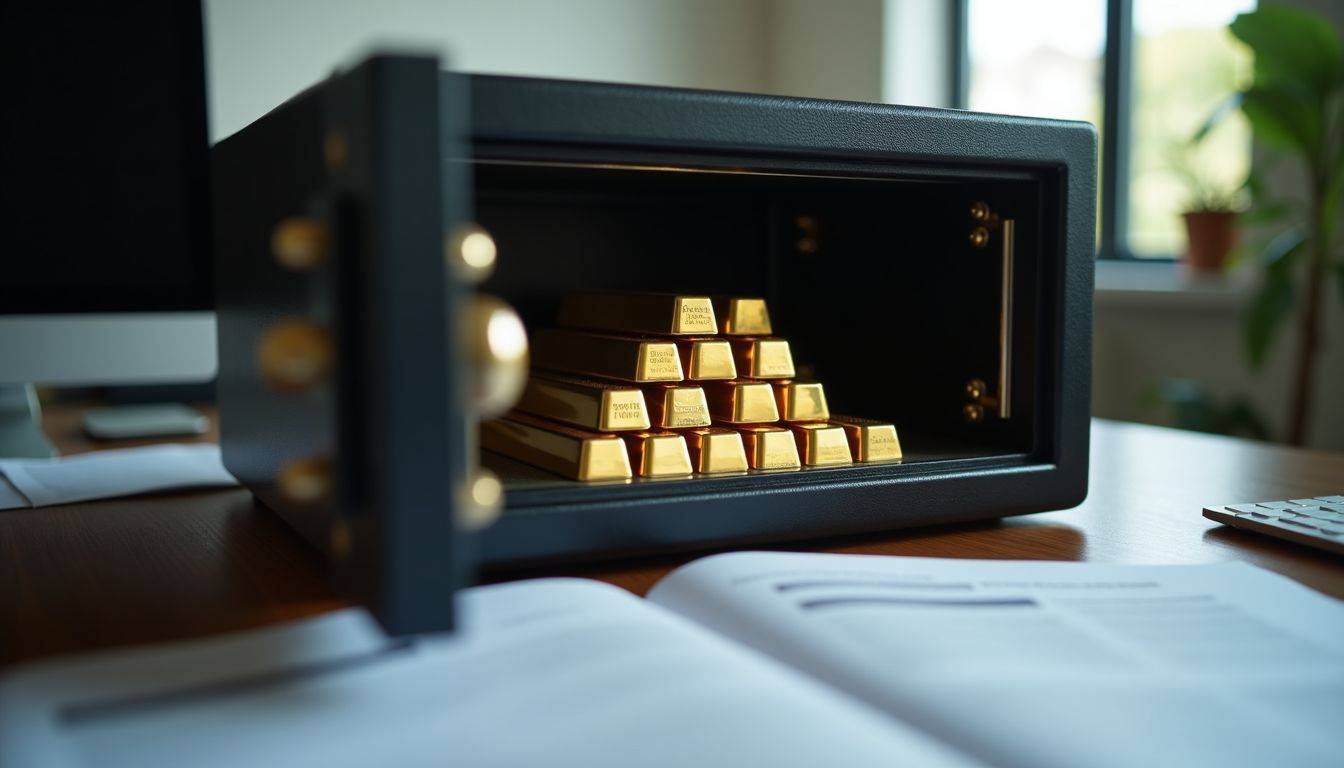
(1317, 522)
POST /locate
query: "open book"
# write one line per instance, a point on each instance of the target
(767, 659)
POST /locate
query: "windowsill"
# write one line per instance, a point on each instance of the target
(1167, 284)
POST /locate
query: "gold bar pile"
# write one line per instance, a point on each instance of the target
(661, 385)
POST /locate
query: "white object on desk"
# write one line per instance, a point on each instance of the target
(107, 474)
(128, 422)
(554, 672)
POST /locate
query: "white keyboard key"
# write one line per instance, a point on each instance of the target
(1278, 505)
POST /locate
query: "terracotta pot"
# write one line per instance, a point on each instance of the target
(1210, 237)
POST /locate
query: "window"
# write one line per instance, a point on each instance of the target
(1147, 73)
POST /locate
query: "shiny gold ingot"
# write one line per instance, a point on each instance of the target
(707, 359)
(676, 406)
(294, 355)
(822, 445)
(300, 244)
(497, 342)
(657, 454)
(763, 358)
(742, 317)
(613, 357)
(604, 407)
(770, 447)
(715, 450)
(575, 453)
(801, 401)
(742, 402)
(870, 440)
(658, 313)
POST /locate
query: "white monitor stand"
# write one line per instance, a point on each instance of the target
(93, 349)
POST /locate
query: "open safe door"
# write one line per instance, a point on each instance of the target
(339, 405)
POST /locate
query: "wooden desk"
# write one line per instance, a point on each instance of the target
(96, 575)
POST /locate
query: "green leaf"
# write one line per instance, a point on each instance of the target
(1220, 113)
(1275, 300)
(1283, 119)
(1266, 212)
(1265, 316)
(1292, 46)
(1332, 202)
(1339, 280)
(1281, 251)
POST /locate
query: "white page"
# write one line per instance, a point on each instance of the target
(114, 472)
(1049, 664)
(547, 672)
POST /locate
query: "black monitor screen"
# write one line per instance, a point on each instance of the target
(103, 156)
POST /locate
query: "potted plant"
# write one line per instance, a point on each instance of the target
(1210, 215)
(1295, 105)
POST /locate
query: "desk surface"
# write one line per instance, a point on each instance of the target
(96, 575)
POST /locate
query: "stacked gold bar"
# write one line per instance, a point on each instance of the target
(667, 385)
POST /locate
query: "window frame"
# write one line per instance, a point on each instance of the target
(1116, 121)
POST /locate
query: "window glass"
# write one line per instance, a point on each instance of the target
(1021, 66)
(1185, 64)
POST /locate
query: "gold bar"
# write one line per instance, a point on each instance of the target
(801, 401)
(714, 450)
(870, 440)
(822, 445)
(575, 453)
(660, 313)
(677, 406)
(742, 316)
(707, 359)
(763, 358)
(657, 454)
(599, 354)
(770, 447)
(604, 407)
(742, 402)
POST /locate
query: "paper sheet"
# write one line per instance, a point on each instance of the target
(555, 672)
(1050, 664)
(110, 473)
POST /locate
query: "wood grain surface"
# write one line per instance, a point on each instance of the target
(103, 574)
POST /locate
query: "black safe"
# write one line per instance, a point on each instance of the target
(933, 267)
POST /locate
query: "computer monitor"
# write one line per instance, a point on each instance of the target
(104, 212)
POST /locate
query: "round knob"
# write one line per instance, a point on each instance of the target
(980, 210)
(305, 481)
(976, 389)
(973, 413)
(498, 344)
(299, 244)
(979, 237)
(472, 252)
(482, 501)
(293, 355)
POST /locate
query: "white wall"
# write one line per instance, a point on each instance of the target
(260, 52)
(825, 50)
(917, 52)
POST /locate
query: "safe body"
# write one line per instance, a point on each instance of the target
(933, 267)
